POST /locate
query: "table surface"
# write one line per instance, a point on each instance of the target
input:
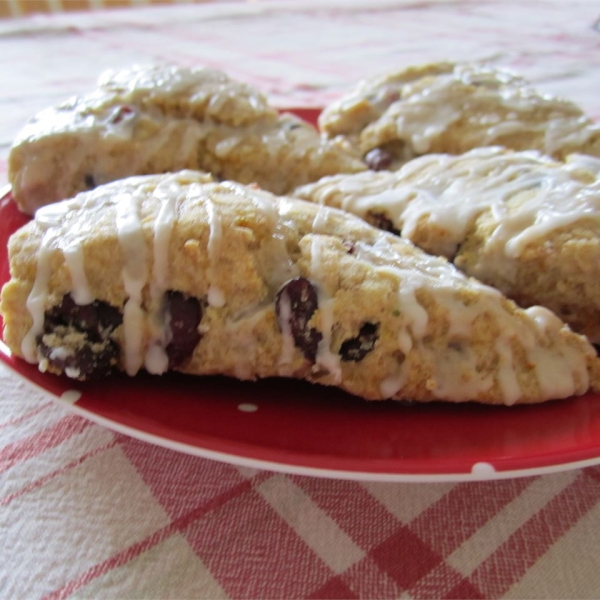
(88, 512)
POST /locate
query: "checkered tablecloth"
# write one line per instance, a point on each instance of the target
(86, 512)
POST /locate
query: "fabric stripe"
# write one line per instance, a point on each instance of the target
(311, 523)
(407, 506)
(484, 542)
(569, 569)
(179, 481)
(521, 551)
(470, 506)
(255, 552)
(355, 511)
(42, 441)
(28, 415)
(443, 582)
(25, 472)
(170, 569)
(48, 477)
(139, 548)
(367, 580)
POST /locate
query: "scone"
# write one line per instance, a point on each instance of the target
(171, 272)
(518, 221)
(161, 119)
(452, 108)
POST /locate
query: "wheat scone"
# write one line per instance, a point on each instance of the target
(165, 118)
(452, 108)
(170, 272)
(518, 221)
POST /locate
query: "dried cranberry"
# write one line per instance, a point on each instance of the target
(378, 159)
(381, 221)
(355, 349)
(121, 113)
(185, 315)
(349, 245)
(96, 320)
(91, 352)
(89, 181)
(303, 302)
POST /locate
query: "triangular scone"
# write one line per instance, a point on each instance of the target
(518, 221)
(168, 272)
(161, 119)
(452, 108)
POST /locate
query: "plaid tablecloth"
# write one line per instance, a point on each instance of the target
(86, 512)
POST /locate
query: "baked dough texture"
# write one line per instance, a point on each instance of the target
(159, 119)
(452, 108)
(518, 221)
(177, 272)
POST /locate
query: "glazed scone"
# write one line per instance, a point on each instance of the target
(168, 272)
(518, 221)
(452, 108)
(162, 119)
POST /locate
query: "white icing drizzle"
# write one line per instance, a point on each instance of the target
(325, 357)
(455, 370)
(52, 215)
(390, 386)
(561, 368)
(545, 319)
(423, 105)
(287, 345)
(80, 289)
(417, 315)
(450, 192)
(583, 162)
(156, 360)
(507, 377)
(526, 195)
(135, 277)
(36, 301)
(216, 297)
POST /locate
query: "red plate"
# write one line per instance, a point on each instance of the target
(294, 427)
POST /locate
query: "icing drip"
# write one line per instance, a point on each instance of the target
(423, 107)
(80, 290)
(215, 294)
(415, 313)
(135, 276)
(156, 360)
(325, 357)
(527, 195)
(583, 162)
(36, 301)
(287, 346)
(507, 377)
(390, 386)
(454, 369)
